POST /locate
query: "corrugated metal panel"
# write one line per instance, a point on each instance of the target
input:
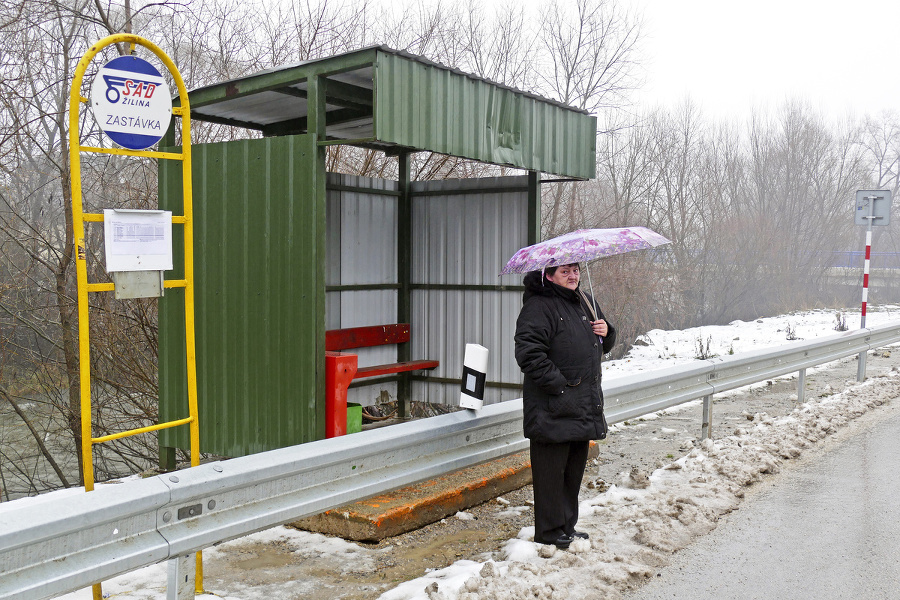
(362, 236)
(485, 318)
(256, 289)
(465, 239)
(362, 250)
(419, 105)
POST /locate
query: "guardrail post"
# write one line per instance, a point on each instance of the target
(706, 433)
(182, 571)
(861, 367)
(801, 386)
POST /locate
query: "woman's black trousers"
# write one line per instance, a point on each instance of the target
(556, 471)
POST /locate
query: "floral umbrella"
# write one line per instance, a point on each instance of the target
(581, 246)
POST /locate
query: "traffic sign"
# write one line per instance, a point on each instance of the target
(874, 206)
(131, 102)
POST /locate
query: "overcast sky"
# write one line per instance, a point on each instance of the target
(730, 56)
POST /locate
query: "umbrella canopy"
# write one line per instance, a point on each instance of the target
(582, 245)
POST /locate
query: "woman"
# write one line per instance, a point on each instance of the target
(559, 342)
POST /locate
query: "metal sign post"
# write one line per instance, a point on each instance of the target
(873, 207)
(131, 103)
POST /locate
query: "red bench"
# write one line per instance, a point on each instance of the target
(341, 368)
(338, 340)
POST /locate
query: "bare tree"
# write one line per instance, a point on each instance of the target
(40, 50)
(880, 139)
(589, 47)
(499, 47)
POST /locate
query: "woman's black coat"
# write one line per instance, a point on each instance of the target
(560, 357)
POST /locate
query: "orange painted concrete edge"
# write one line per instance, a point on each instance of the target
(415, 506)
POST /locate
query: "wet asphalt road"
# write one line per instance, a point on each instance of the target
(828, 529)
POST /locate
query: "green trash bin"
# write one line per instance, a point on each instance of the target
(354, 417)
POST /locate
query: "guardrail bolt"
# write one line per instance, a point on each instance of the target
(167, 516)
(173, 479)
(211, 504)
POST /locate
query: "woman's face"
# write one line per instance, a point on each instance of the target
(566, 276)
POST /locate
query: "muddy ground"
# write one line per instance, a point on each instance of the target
(643, 444)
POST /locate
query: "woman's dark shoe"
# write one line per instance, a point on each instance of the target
(582, 535)
(561, 542)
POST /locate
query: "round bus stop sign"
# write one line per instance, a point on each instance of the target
(131, 102)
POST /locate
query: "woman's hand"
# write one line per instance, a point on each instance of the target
(600, 327)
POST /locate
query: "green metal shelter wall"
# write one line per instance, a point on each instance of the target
(257, 285)
(421, 106)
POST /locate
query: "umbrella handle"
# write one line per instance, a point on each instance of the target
(593, 299)
(591, 285)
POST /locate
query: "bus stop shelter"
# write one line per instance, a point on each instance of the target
(285, 251)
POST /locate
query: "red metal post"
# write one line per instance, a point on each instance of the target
(340, 369)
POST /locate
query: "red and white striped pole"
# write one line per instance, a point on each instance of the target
(861, 363)
(865, 291)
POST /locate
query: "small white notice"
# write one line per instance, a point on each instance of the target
(137, 240)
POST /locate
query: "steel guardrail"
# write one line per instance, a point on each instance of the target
(638, 394)
(50, 546)
(59, 543)
(750, 367)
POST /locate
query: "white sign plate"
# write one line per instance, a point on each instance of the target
(131, 102)
(137, 240)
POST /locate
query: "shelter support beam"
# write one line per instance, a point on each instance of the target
(534, 208)
(339, 93)
(168, 460)
(404, 277)
(317, 154)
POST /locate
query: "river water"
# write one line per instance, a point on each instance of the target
(24, 471)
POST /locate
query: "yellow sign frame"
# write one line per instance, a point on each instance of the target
(79, 218)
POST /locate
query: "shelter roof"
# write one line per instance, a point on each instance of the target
(396, 101)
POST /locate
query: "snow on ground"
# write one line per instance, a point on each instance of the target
(669, 348)
(634, 524)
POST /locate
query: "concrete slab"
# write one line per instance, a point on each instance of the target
(418, 505)
(412, 507)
